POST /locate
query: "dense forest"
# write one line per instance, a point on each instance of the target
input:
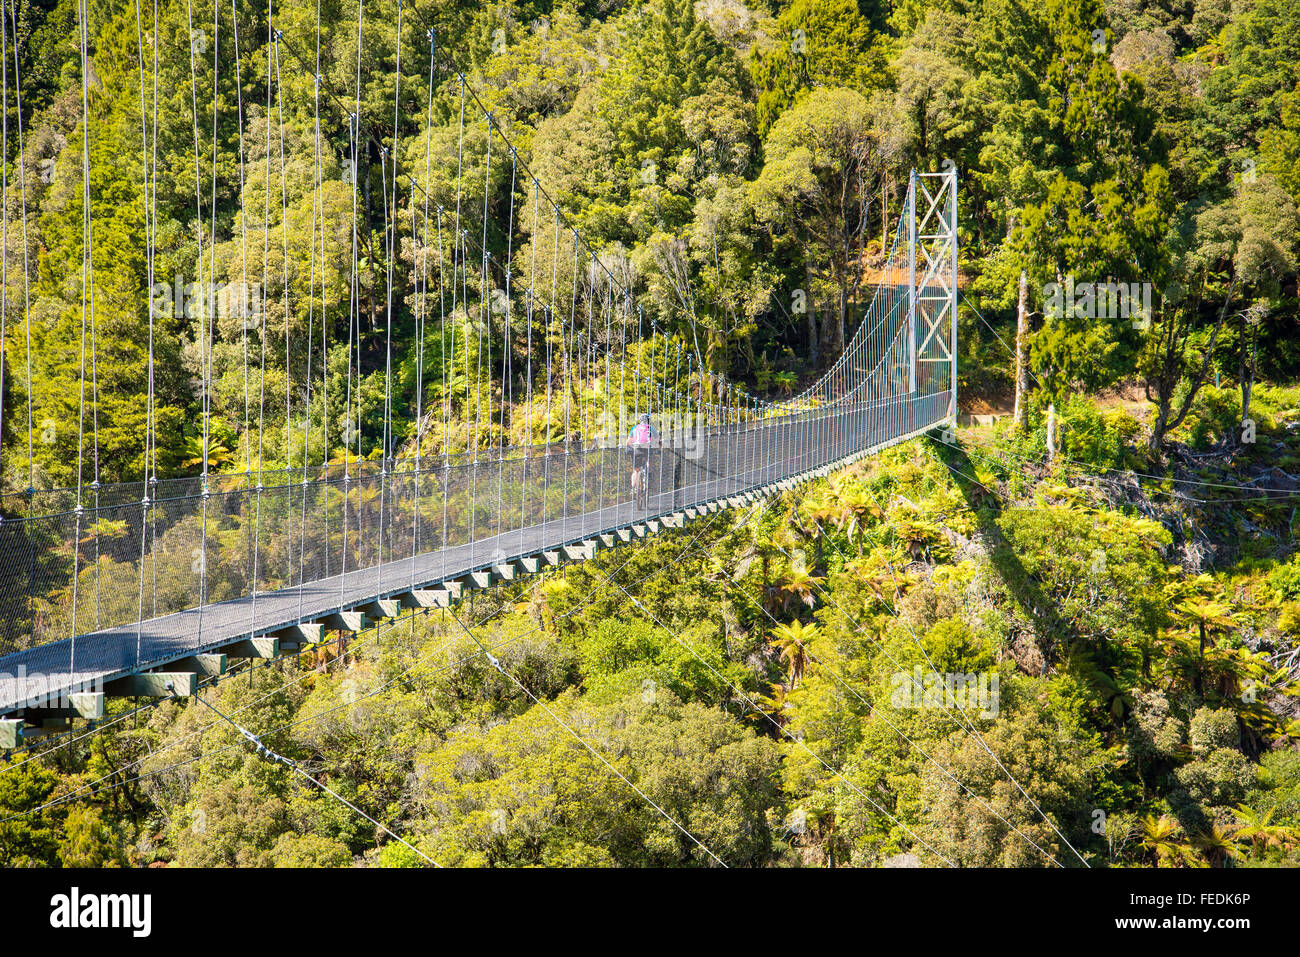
(1106, 540)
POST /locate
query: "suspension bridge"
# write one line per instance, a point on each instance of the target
(516, 464)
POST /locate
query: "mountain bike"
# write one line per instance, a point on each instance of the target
(641, 479)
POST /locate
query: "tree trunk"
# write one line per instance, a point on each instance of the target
(884, 214)
(370, 244)
(844, 309)
(1171, 371)
(811, 305)
(1247, 373)
(1155, 447)
(1020, 417)
(1200, 662)
(1051, 432)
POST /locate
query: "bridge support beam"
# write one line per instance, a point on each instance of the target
(483, 578)
(11, 733)
(263, 647)
(346, 621)
(207, 665)
(81, 704)
(579, 552)
(425, 598)
(380, 609)
(303, 633)
(154, 684)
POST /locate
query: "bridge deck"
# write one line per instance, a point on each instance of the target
(30, 675)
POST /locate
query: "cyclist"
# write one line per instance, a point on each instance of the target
(639, 440)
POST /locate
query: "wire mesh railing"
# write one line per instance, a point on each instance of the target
(123, 577)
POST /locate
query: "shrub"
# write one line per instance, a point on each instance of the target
(1094, 437)
(1211, 729)
(1285, 580)
(1219, 779)
(309, 850)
